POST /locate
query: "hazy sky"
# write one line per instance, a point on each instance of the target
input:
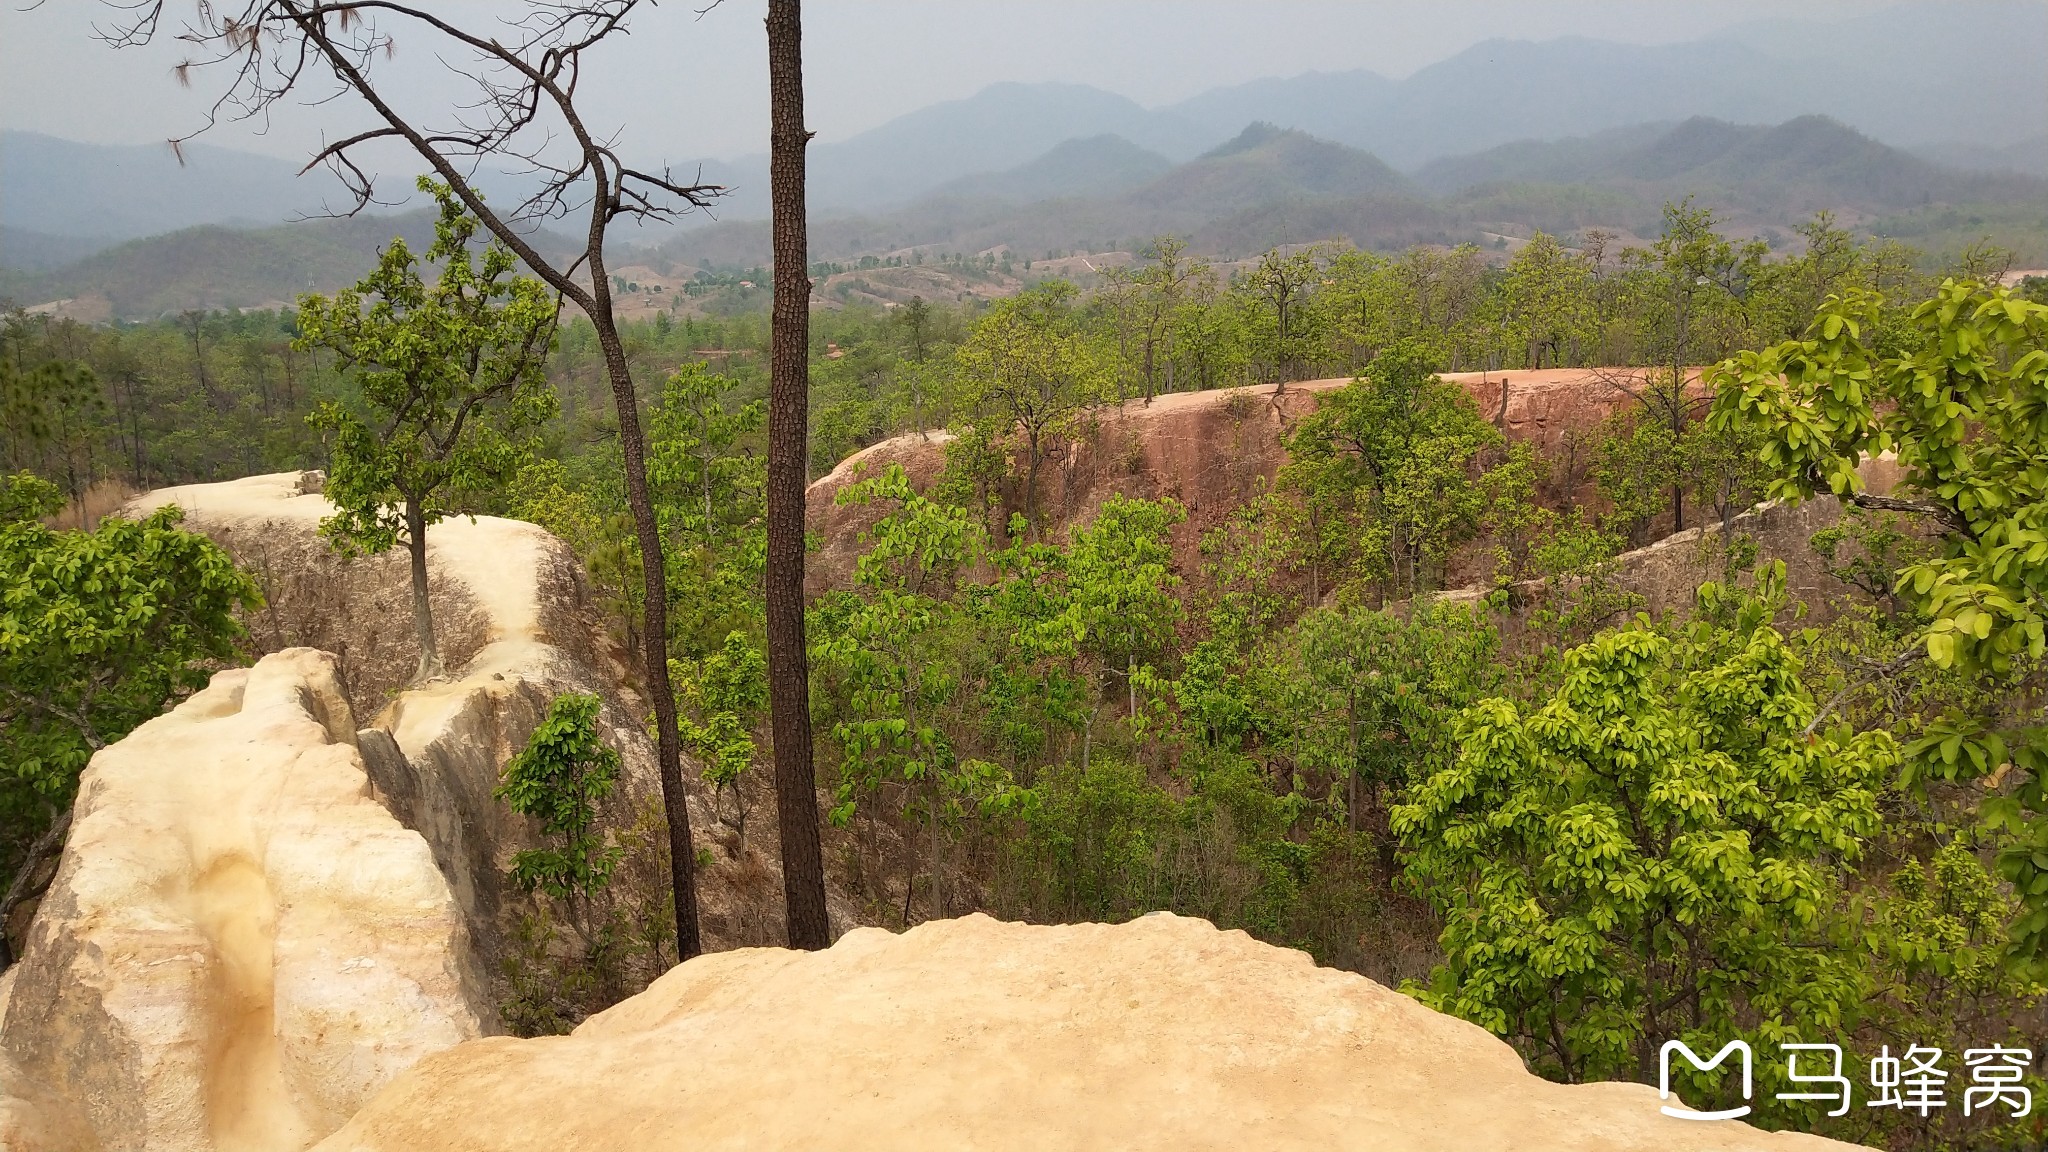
(691, 86)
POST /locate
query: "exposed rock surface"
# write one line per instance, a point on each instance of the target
(241, 945)
(1665, 576)
(35, 1119)
(516, 625)
(1209, 450)
(1161, 1033)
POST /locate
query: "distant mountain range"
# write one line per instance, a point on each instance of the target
(1961, 85)
(1276, 186)
(1893, 75)
(108, 193)
(1798, 167)
(1266, 186)
(213, 267)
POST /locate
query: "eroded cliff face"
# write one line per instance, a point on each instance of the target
(1161, 1033)
(1211, 451)
(517, 629)
(241, 945)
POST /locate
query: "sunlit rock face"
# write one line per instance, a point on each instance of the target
(517, 627)
(1162, 1033)
(1211, 451)
(242, 944)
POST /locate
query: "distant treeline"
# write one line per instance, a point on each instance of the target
(213, 395)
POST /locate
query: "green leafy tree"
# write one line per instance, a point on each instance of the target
(1170, 284)
(1956, 394)
(98, 631)
(728, 692)
(1636, 466)
(560, 779)
(700, 457)
(1026, 369)
(51, 415)
(1396, 453)
(894, 655)
(1283, 281)
(708, 484)
(1653, 853)
(1689, 292)
(1548, 298)
(1122, 585)
(1368, 699)
(451, 379)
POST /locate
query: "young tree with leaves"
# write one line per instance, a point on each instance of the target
(1028, 371)
(1957, 395)
(527, 116)
(1653, 853)
(451, 377)
(98, 631)
(893, 653)
(1548, 299)
(1690, 287)
(728, 692)
(1396, 453)
(561, 778)
(1283, 281)
(1122, 586)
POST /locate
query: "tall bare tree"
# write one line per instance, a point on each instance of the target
(789, 385)
(526, 73)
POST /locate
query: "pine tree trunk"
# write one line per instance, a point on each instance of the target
(422, 606)
(789, 696)
(654, 633)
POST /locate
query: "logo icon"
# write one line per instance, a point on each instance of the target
(1693, 1058)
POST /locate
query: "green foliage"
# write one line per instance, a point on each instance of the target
(728, 692)
(1653, 853)
(451, 376)
(1866, 550)
(894, 652)
(1957, 404)
(707, 471)
(25, 496)
(1367, 699)
(1955, 392)
(1547, 301)
(1121, 585)
(560, 778)
(49, 414)
(99, 631)
(1395, 456)
(1026, 370)
(1636, 468)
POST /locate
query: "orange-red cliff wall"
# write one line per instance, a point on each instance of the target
(1209, 450)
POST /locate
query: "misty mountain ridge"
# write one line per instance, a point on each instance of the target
(111, 192)
(1800, 166)
(210, 266)
(1891, 77)
(1270, 185)
(1095, 165)
(1265, 186)
(2027, 157)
